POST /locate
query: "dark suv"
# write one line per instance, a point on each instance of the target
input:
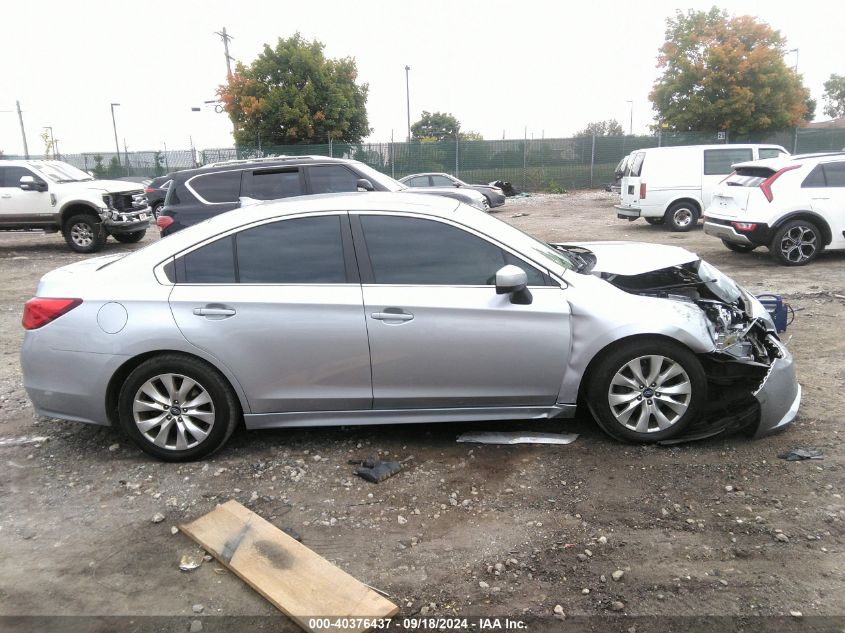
(195, 195)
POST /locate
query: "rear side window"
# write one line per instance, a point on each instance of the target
(332, 179)
(413, 251)
(717, 162)
(635, 165)
(297, 251)
(418, 181)
(815, 178)
(275, 184)
(212, 264)
(834, 174)
(218, 187)
(441, 181)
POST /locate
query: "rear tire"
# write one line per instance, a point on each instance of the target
(655, 221)
(739, 248)
(647, 390)
(84, 234)
(177, 408)
(681, 217)
(796, 243)
(130, 238)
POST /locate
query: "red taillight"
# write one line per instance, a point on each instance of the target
(38, 312)
(149, 189)
(744, 226)
(642, 191)
(766, 185)
(164, 221)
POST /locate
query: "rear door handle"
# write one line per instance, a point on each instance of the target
(6, 195)
(392, 316)
(219, 312)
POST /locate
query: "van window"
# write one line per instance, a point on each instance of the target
(635, 166)
(771, 152)
(717, 162)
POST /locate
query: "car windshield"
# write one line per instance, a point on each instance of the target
(376, 177)
(58, 171)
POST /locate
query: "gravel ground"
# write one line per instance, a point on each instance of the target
(597, 528)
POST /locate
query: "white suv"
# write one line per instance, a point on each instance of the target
(794, 205)
(54, 196)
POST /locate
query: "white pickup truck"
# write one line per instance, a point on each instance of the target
(54, 196)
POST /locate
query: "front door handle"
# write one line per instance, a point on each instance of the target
(392, 314)
(6, 195)
(215, 312)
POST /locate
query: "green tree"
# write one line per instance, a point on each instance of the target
(725, 73)
(610, 127)
(834, 96)
(435, 126)
(294, 94)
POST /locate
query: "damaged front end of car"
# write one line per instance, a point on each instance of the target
(752, 387)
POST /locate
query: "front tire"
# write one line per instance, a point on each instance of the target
(681, 217)
(84, 234)
(739, 248)
(130, 238)
(177, 408)
(796, 243)
(647, 390)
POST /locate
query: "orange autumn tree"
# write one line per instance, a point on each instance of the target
(293, 94)
(726, 73)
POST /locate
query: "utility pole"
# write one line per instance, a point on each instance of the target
(226, 37)
(408, 99)
(23, 131)
(114, 127)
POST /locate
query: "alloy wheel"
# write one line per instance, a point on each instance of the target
(173, 411)
(799, 244)
(649, 394)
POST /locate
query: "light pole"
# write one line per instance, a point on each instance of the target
(631, 128)
(408, 100)
(795, 50)
(114, 127)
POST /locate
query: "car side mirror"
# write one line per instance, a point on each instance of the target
(365, 185)
(28, 183)
(512, 280)
(457, 184)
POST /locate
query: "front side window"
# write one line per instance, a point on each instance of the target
(717, 162)
(414, 251)
(442, 181)
(296, 251)
(217, 188)
(332, 179)
(274, 184)
(770, 152)
(11, 176)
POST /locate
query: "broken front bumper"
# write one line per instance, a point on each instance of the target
(779, 395)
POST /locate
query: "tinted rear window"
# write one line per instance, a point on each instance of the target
(223, 186)
(749, 176)
(718, 161)
(635, 166)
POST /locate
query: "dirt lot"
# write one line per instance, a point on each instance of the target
(695, 528)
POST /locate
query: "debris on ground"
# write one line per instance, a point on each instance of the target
(799, 454)
(295, 579)
(517, 437)
(519, 215)
(189, 562)
(376, 470)
(292, 533)
(158, 517)
(506, 187)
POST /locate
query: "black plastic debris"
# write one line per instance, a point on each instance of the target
(292, 533)
(376, 470)
(506, 187)
(799, 454)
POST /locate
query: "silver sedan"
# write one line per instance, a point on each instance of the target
(373, 308)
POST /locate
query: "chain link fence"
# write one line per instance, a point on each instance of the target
(529, 164)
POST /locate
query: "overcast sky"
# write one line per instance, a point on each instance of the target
(497, 66)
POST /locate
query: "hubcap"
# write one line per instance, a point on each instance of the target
(81, 234)
(649, 394)
(683, 217)
(173, 412)
(798, 244)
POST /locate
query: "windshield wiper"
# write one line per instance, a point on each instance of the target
(581, 264)
(688, 284)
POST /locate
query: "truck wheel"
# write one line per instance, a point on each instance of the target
(655, 221)
(681, 217)
(84, 234)
(130, 238)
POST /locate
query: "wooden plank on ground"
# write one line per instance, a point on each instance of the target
(295, 579)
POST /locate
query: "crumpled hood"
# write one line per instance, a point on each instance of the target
(112, 186)
(633, 258)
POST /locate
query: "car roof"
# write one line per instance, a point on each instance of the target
(665, 148)
(784, 161)
(428, 173)
(251, 163)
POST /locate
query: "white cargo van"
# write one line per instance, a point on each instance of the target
(673, 185)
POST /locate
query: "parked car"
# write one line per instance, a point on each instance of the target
(493, 195)
(198, 194)
(156, 191)
(53, 196)
(673, 185)
(377, 307)
(615, 186)
(793, 205)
